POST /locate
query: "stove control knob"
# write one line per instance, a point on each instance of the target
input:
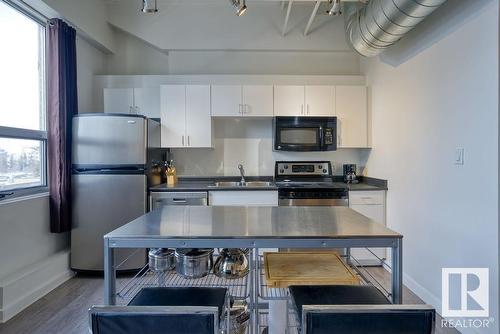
(286, 166)
(324, 170)
(282, 171)
(320, 167)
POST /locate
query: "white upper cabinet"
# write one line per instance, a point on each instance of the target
(119, 100)
(198, 118)
(319, 101)
(226, 100)
(242, 101)
(141, 101)
(185, 116)
(352, 116)
(257, 101)
(147, 101)
(304, 100)
(289, 100)
(173, 116)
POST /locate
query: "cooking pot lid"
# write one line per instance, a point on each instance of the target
(194, 251)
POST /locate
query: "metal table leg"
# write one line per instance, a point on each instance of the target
(255, 290)
(251, 269)
(109, 274)
(397, 272)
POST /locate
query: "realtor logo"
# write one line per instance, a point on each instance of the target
(465, 292)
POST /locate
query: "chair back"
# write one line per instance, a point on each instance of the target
(154, 320)
(368, 319)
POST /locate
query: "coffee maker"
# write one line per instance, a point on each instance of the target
(350, 173)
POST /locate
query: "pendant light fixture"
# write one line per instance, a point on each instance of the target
(240, 5)
(149, 6)
(336, 9)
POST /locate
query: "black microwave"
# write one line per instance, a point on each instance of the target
(305, 134)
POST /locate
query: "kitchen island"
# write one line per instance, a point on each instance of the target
(255, 228)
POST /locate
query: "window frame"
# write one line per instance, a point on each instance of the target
(30, 134)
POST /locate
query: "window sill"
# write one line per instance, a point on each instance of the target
(21, 198)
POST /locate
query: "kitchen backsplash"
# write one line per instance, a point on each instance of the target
(249, 141)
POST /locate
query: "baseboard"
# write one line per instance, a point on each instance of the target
(29, 284)
(433, 300)
(422, 293)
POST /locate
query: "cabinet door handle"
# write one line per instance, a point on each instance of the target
(245, 108)
(240, 108)
(302, 109)
(130, 110)
(182, 140)
(308, 108)
(189, 141)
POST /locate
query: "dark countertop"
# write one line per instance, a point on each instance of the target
(206, 184)
(203, 186)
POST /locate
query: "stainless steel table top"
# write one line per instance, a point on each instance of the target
(206, 222)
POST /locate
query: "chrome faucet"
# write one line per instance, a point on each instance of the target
(242, 173)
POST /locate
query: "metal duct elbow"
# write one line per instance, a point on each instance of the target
(379, 24)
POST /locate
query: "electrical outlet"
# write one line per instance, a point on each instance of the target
(459, 156)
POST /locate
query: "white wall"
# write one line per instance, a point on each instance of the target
(25, 235)
(249, 142)
(90, 62)
(433, 93)
(27, 248)
(134, 56)
(89, 17)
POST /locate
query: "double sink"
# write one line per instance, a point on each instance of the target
(249, 184)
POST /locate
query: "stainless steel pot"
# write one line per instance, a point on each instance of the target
(239, 317)
(161, 259)
(193, 262)
(232, 263)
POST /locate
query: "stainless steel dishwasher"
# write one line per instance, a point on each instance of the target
(159, 199)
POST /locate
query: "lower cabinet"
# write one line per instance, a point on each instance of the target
(243, 198)
(372, 205)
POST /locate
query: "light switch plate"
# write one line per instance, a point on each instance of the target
(459, 156)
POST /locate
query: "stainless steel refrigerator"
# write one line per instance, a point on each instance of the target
(111, 159)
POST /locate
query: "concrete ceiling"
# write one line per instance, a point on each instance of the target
(213, 25)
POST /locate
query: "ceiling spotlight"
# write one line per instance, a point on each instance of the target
(240, 5)
(149, 6)
(336, 9)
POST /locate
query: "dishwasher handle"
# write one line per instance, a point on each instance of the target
(160, 199)
(179, 200)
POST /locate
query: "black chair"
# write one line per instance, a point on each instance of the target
(163, 311)
(346, 309)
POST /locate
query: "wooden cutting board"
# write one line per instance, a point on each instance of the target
(307, 268)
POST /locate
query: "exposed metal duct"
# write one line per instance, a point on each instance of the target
(376, 26)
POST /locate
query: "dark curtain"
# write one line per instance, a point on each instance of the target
(62, 104)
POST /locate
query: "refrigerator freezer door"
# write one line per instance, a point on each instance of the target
(109, 140)
(102, 203)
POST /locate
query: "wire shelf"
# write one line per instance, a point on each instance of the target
(265, 292)
(145, 278)
(268, 293)
(293, 326)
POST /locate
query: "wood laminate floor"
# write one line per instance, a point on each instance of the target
(64, 310)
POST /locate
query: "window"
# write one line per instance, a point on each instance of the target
(23, 136)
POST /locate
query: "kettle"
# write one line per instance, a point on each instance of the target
(232, 263)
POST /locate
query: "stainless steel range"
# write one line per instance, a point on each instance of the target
(309, 183)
